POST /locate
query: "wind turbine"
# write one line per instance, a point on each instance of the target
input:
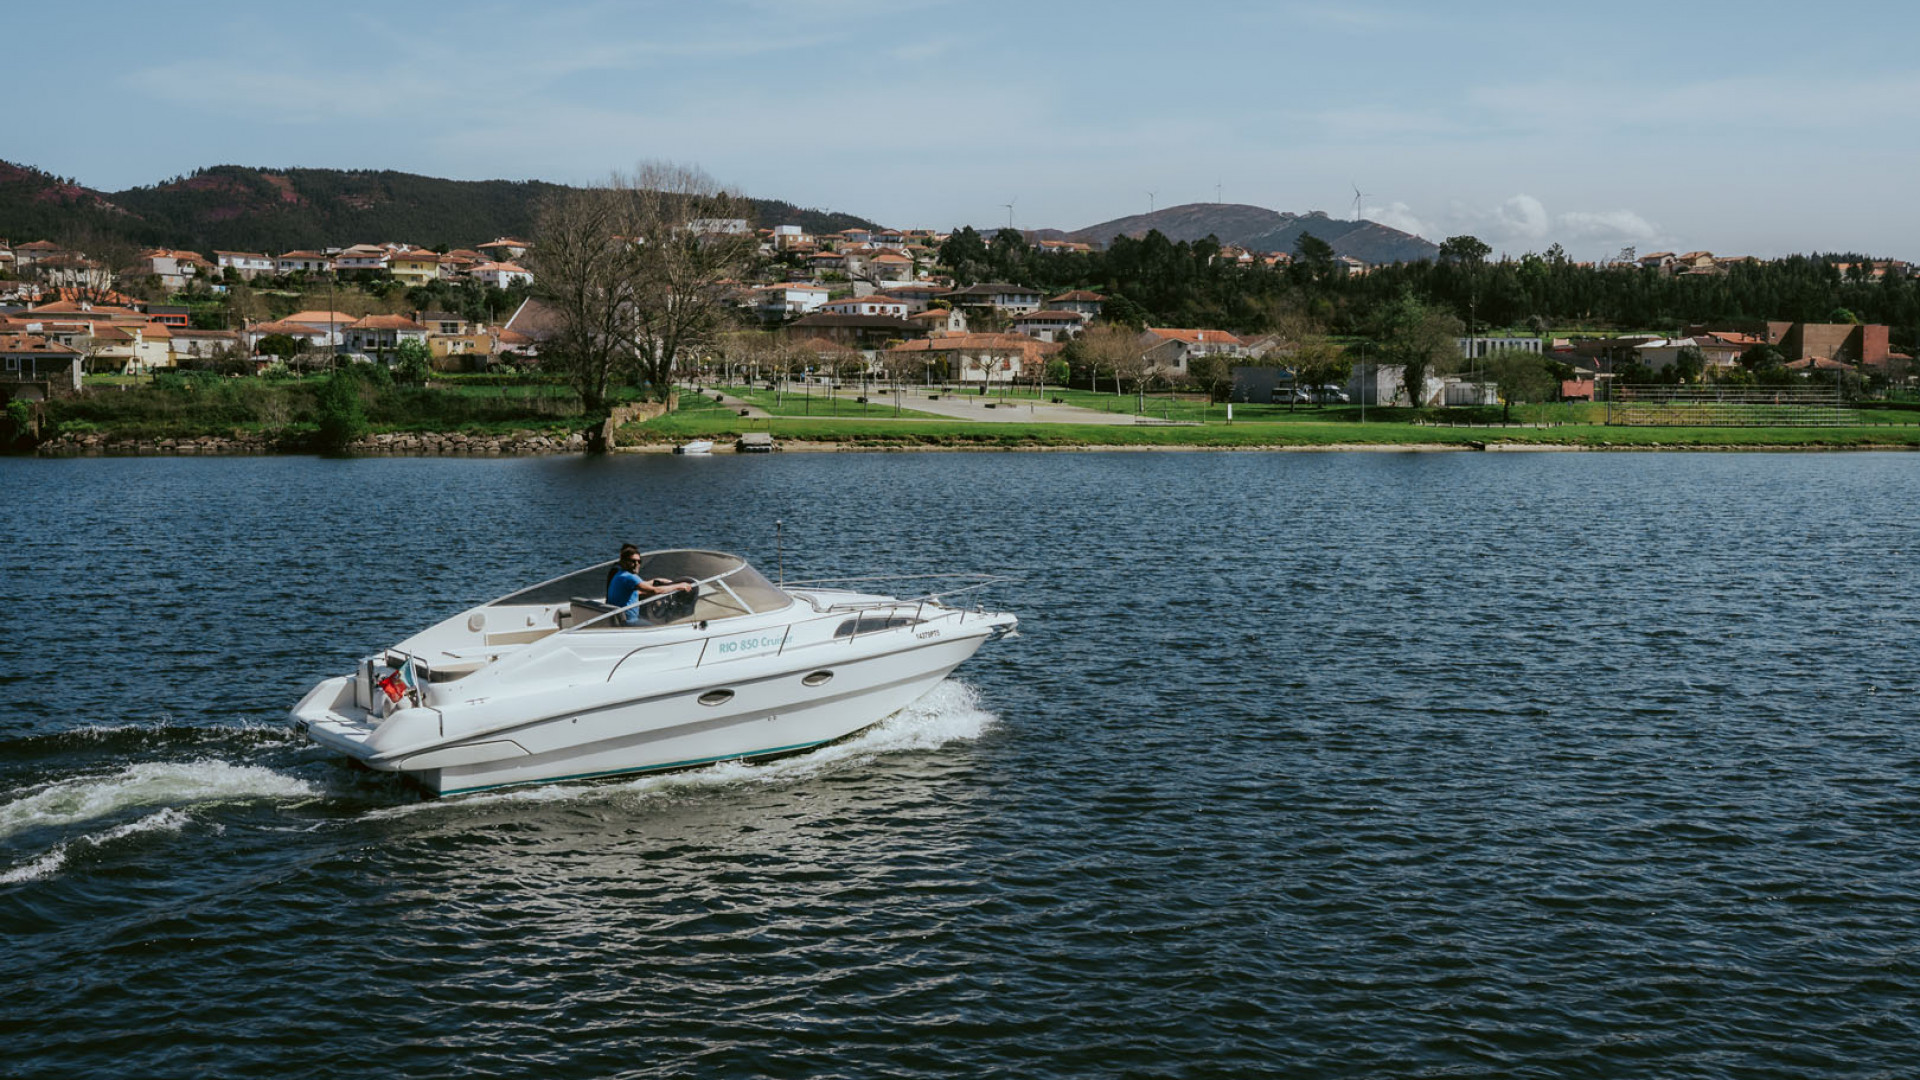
(1009, 206)
(1359, 204)
(1151, 192)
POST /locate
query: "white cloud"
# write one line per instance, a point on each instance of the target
(1400, 216)
(1523, 217)
(1522, 223)
(1612, 226)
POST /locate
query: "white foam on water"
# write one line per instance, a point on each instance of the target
(170, 819)
(162, 783)
(948, 713)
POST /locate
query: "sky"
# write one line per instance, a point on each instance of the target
(1755, 128)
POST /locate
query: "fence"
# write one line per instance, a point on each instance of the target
(1704, 406)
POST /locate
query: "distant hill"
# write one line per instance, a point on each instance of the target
(233, 208)
(1259, 229)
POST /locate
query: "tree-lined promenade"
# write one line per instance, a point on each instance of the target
(359, 410)
(814, 417)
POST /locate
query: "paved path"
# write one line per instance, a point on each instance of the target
(959, 406)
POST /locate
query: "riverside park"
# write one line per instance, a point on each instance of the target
(1016, 417)
(359, 412)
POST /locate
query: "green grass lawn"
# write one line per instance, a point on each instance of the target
(964, 434)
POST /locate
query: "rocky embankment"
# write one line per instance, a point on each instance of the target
(406, 443)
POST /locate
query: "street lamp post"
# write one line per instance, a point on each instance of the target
(1364, 385)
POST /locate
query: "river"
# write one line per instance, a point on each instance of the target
(1342, 764)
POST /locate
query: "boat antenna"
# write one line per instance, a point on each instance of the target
(780, 551)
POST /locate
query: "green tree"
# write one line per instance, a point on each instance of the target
(1314, 259)
(1688, 363)
(1464, 250)
(965, 254)
(1117, 310)
(1420, 339)
(1521, 376)
(18, 423)
(284, 346)
(412, 363)
(342, 415)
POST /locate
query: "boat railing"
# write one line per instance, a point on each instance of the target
(920, 618)
(544, 645)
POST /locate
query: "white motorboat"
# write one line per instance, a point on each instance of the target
(549, 683)
(697, 447)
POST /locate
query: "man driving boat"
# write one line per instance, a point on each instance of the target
(626, 586)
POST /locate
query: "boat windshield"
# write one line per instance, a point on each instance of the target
(734, 587)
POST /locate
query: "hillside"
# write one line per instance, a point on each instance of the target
(232, 208)
(1260, 229)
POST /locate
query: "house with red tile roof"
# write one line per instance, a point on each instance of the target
(998, 296)
(506, 248)
(981, 358)
(936, 321)
(875, 304)
(34, 367)
(1171, 350)
(35, 252)
(500, 275)
(248, 264)
(310, 262)
(1080, 300)
(1050, 324)
(890, 266)
(173, 268)
(383, 333)
(415, 267)
(370, 257)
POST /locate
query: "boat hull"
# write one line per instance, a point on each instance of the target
(764, 710)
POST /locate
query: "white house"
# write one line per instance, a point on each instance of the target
(362, 257)
(312, 262)
(1173, 349)
(247, 264)
(868, 305)
(379, 333)
(1008, 299)
(1050, 325)
(173, 268)
(777, 301)
(500, 275)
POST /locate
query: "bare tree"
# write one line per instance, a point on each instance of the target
(1134, 368)
(1115, 350)
(585, 275)
(637, 272)
(690, 261)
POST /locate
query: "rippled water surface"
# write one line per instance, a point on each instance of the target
(1303, 765)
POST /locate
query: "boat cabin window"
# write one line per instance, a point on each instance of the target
(869, 624)
(729, 586)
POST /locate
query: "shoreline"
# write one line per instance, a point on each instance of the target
(476, 446)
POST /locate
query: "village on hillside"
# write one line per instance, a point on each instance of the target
(856, 303)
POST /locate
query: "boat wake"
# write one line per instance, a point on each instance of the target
(50, 862)
(949, 713)
(150, 784)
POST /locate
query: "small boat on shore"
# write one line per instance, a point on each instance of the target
(698, 447)
(549, 684)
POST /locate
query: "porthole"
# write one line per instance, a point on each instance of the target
(818, 678)
(716, 697)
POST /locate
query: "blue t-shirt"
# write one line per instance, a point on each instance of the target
(624, 589)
